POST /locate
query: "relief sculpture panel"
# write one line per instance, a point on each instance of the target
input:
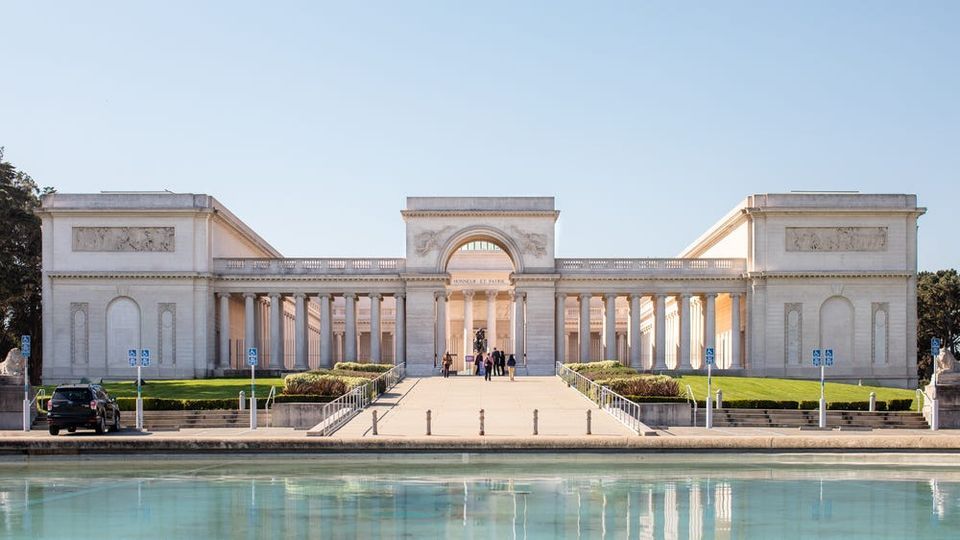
(836, 238)
(123, 239)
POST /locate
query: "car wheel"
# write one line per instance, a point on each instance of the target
(116, 422)
(54, 430)
(72, 429)
(101, 426)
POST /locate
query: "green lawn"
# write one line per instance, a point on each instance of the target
(190, 388)
(789, 389)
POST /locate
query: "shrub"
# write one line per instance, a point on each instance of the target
(588, 366)
(169, 404)
(809, 405)
(899, 404)
(356, 366)
(657, 399)
(759, 404)
(350, 373)
(318, 383)
(608, 373)
(643, 385)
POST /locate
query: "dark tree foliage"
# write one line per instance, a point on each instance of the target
(20, 268)
(938, 310)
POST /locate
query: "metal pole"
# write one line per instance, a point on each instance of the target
(253, 397)
(709, 410)
(536, 430)
(481, 422)
(589, 431)
(428, 421)
(823, 401)
(374, 416)
(243, 400)
(26, 391)
(139, 413)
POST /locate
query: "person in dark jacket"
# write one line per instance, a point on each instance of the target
(512, 366)
(477, 362)
(488, 368)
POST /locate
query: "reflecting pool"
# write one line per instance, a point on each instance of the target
(483, 496)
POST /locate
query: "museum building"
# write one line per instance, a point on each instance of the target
(775, 278)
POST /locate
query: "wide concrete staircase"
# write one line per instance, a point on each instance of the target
(174, 420)
(787, 418)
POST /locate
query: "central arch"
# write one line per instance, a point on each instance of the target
(480, 233)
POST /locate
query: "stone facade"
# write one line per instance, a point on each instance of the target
(779, 275)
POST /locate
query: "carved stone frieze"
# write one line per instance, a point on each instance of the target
(136, 239)
(428, 241)
(532, 243)
(836, 239)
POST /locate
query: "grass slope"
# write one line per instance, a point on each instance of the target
(789, 389)
(190, 388)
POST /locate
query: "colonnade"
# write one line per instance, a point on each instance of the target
(301, 300)
(682, 322)
(517, 312)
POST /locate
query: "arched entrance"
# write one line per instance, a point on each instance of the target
(479, 297)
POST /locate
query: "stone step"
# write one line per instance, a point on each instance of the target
(796, 418)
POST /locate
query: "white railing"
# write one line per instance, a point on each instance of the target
(338, 412)
(38, 399)
(254, 266)
(652, 266)
(692, 399)
(271, 398)
(620, 408)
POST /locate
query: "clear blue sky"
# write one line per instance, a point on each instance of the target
(647, 121)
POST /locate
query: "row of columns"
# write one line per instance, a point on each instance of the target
(660, 336)
(301, 332)
(517, 311)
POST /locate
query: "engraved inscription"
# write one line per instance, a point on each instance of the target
(123, 239)
(836, 238)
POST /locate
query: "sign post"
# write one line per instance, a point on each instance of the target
(144, 362)
(709, 356)
(25, 351)
(822, 359)
(252, 361)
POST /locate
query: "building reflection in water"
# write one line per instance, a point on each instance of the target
(520, 506)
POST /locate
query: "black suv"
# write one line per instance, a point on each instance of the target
(82, 405)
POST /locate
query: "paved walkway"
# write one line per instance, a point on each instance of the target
(455, 405)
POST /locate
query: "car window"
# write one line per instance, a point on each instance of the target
(72, 394)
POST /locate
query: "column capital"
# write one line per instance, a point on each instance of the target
(275, 295)
(250, 295)
(636, 296)
(709, 295)
(492, 294)
(440, 294)
(659, 296)
(375, 296)
(468, 294)
(322, 295)
(610, 296)
(299, 295)
(223, 295)
(684, 296)
(584, 296)
(400, 295)
(350, 296)
(561, 296)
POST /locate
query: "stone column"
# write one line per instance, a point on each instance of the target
(338, 346)
(224, 330)
(561, 334)
(683, 310)
(400, 330)
(710, 322)
(300, 331)
(350, 328)
(276, 331)
(660, 331)
(249, 324)
(636, 346)
(736, 360)
(519, 321)
(467, 323)
(511, 341)
(441, 347)
(491, 320)
(375, 334)
(584, 327)
(326, 331)
(610, 326)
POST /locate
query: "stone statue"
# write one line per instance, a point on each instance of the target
(480, 343)
(13, 364)
(946, 366)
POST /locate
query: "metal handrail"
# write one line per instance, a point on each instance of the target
(338, 412)
(921, 400)
(693, 399)
(271, 398)
(623, 410)
(38, 398)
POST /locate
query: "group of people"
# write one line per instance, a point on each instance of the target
(495, 363)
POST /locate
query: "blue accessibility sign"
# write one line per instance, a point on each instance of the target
(25, 346)
(252, 356)
(709, 354)
(145, 358)
(816, 357)
(935, 347)
(132, 357)
(828, 357)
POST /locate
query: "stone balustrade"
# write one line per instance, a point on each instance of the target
(327, 266)
(673, 267)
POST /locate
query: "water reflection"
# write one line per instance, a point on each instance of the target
(353, 498)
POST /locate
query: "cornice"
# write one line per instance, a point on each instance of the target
(130, 275)
(395, 279)
(485, 213)
(646, 277)
(813, 274)
(918, 211)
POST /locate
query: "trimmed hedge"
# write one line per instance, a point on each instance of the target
(899, 404)
(320, 383)
(657, 399)
(891, 405)
(589, 366)
(357, 366)
(643, 385)
(608, 373)
(168, 404)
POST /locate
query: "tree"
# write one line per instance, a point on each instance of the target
(20, 263)
(938, 310)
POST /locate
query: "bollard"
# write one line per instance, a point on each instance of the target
(719, 398)
(588, 422)
(873, 402)
(253, 412)
(481, 421)
(536, 429)
(428, 421)
(242, 400)
(374, 415)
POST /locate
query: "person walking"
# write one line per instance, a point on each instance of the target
(447, 362)
(488, 369)
(512, 366)
(501, 364)
(477, 363)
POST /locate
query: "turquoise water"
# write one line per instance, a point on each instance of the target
(471, 496)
